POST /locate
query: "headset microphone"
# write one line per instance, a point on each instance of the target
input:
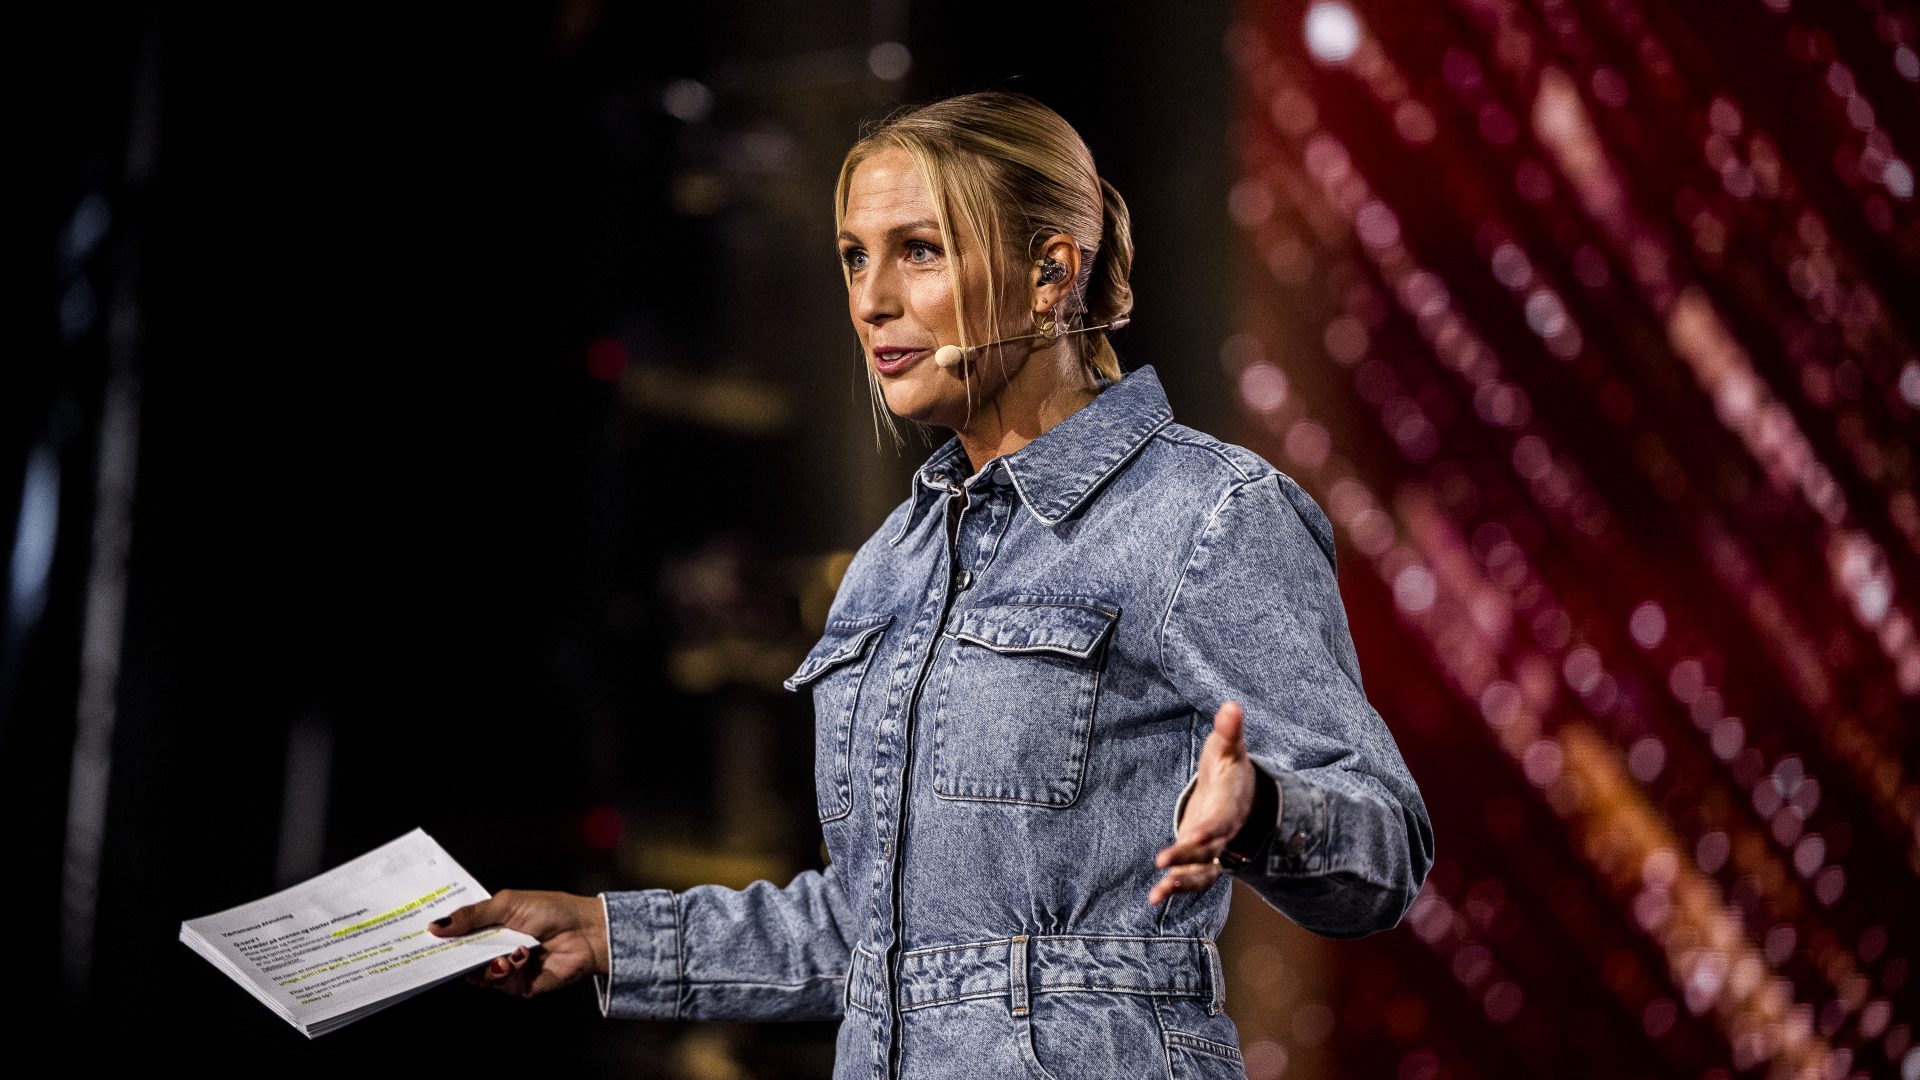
(950, 356)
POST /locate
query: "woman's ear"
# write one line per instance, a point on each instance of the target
(1054, 272)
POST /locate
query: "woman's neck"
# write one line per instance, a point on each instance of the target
(1042, 393)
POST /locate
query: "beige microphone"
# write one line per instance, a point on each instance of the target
(950, 356)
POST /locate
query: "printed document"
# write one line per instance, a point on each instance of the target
(354, 940)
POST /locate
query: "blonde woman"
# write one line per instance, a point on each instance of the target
(1094, 660)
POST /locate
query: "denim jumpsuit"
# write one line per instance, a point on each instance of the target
(1016, 679)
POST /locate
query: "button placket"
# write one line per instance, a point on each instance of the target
(994, 510)
(895, 780)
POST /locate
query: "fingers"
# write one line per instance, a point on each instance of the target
(511, 973)
(526, 974)
(1228, 738)
(541, 914)
(1198, 843)
(465, 920)
(1187, 877)
(1191, 864)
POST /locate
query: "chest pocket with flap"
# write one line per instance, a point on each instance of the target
(836, 668)
(1014, 699)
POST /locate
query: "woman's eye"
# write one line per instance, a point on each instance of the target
(918, 249)
(854, 258)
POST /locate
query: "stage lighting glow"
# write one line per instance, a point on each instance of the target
(1898, 177)
(34, 537)
(1907, 63)
(1647, 758)
(1308, 444)
(1263, 387)
(687, 99)
(1333, 31)
(1648, 624)
(1250, 202)
(1546, 316)
(1413, 590)
(889, 60)
(1377, 225)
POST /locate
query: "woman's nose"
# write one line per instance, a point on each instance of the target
(875, 299)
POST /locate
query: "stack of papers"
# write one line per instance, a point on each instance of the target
(353, 940)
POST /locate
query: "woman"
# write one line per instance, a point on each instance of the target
(1084, 621)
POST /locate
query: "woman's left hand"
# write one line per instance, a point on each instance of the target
(1221, 800)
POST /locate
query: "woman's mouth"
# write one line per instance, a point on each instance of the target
(892, 359)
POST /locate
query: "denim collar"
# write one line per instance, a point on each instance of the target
(1057, 472)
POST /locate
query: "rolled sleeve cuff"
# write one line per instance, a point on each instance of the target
(643, 956)
(1302, 839)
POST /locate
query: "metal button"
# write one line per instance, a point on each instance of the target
(963, 579)
(1297, 844)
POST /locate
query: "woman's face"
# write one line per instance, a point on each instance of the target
(900, 294)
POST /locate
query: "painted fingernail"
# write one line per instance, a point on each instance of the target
(499, 967)
(448, 921)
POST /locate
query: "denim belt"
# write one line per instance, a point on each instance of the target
(1023, 965)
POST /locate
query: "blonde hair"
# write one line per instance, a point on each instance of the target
(1015, 172)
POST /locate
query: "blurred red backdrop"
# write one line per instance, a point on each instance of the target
(1591, 324)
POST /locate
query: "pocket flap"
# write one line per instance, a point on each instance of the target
(844, 639)
(1072, 627)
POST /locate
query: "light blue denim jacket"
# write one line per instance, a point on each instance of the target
(1004, 724)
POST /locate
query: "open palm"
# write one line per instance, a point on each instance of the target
(1221, 800)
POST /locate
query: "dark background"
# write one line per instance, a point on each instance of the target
(389, 524)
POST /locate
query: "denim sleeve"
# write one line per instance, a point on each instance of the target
(1256, 617)
(714, 953)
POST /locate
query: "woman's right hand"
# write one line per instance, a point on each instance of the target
(572, 932)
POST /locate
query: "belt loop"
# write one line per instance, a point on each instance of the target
(846, 988)
(1017, 973)
(1216, 978)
